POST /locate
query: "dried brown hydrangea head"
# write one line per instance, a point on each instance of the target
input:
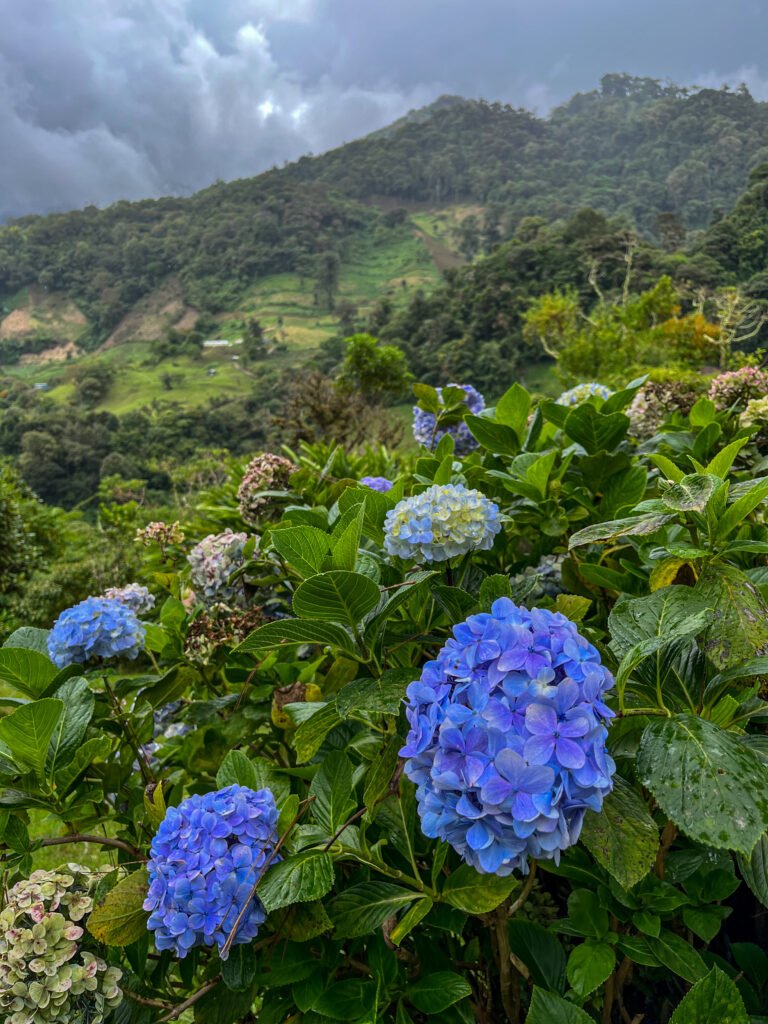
(266, 473)
(217, 627)
(47, 976)
(656, 401)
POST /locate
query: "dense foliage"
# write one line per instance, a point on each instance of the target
(501, 757)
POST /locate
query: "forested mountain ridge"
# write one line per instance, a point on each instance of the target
(636, 148)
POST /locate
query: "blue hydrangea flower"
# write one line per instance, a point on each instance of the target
(507, 740)
(213, 562)
(95, 628)
(134, 595)
(424, 423)
(579, 394)
(377, 483)
(443, 521)
(204, 862)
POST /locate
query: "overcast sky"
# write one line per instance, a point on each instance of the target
(108, 99)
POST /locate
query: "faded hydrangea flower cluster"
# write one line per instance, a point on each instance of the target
(424, 423)
(204, 862)
(164, 534)
(46, 977)
(536, 582)
(377, 483)
(266, 472)
(217, 627)
(213, 562)
(579, 394)
(95, 628)
(133, 596)
(737, 387)
(507, 738)
(440, 523)
(655, 403)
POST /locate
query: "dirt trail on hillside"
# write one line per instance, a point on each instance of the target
(443, 257)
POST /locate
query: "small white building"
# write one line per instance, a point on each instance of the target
(216, 343)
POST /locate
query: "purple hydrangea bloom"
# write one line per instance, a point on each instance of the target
(507, 741)
(377, 483)
(424, 423)
(214, 560)
(95, 628)
(204, 862)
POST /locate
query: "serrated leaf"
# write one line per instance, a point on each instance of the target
(301, 878)
(594, 430)
(674, 953)
(691, 494)
(236, 769)
(540, 951)
(27, 671)
(632, 526)
(713, 1000)
(302, 921)
(496, 437)
(304, 548)
(739, 628)
(290, 632)
(468, 890)
(95, 749)
(337, 596)
(239, 969)
(30, 639)
(438, 990)
(310, 734)
(70, 730)
(754, 869)
(709, 783)
(549, 1008)
(623, 838)
(26, 732)
(120, 918)
(362, 908)
(589, 965)
(381, 696)
(333, 792)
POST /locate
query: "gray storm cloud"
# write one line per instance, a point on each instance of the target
(108, 99)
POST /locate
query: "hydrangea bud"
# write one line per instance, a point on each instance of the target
(213, 562)
(133, 596)
(441, 522)
(204, 862)
(579, 394)
(266, 472)
(377, 483)
(47, 976)
(507, 740)
(424, 423)
(95, 628)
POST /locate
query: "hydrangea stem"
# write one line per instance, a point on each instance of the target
(146, 771)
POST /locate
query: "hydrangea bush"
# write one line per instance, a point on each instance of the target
(738, 387)
(485, 745)
(133, 596)
(47, 973)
